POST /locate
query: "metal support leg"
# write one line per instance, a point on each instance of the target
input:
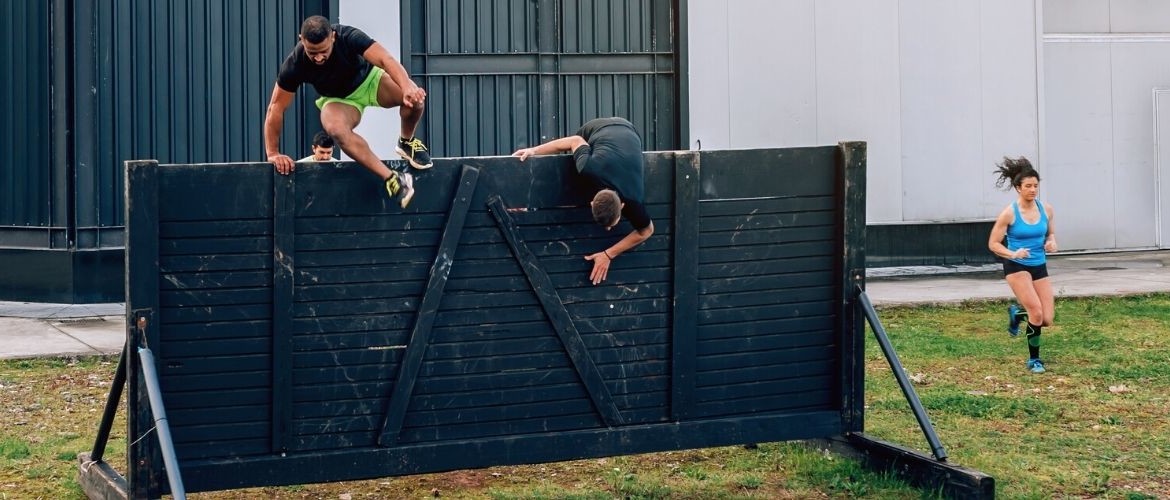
(900, 374)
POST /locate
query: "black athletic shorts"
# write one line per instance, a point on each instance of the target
(1038, 272)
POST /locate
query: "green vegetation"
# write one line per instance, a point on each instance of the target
(1095, 426)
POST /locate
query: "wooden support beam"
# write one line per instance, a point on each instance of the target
(546, 291)
(420, 335)
(917, 468)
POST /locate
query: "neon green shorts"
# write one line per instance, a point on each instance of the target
(365, 95)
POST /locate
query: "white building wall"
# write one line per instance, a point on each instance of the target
(939, 90)
(381, 20)
(1103, 61)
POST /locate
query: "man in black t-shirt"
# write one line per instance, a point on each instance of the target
(608, 152)
(350, 71)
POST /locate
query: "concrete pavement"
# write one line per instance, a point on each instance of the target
(29, 330)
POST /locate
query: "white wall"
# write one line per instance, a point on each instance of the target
(940, 91)
(380, 20)
(1103, 59)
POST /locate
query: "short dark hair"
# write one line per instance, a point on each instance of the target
(316, 29)
(323, 140)
(1013, 171)
(607, 207)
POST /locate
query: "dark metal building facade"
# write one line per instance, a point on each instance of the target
(93, 84)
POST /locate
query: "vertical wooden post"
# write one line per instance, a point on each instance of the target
(684, 315)
(283, 253)
(851, 199)
(142, 302)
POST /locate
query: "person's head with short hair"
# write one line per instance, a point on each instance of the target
(317, 38)
(322, 147)
(1013, 171)
(607, 208)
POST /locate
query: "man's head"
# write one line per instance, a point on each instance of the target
(322, 147)
(607, 208)
(317, 38)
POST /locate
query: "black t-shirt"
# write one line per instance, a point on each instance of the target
(341, 74)
(613, 160)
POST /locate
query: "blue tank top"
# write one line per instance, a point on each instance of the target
(1020, 234)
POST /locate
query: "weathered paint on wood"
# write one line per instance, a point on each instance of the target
(308, 329)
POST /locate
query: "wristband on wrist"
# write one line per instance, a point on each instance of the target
(606, 252)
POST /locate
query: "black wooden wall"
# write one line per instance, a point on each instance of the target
(307, 329)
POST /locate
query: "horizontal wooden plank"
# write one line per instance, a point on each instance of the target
(709, 209)
(343, 374)
(350, 460)
(763, 282)
(737, 300)
(174, 364)
(774, 357)
(216, 313)
(350, 440)
(374, 390)
(204, 264)
(214, 192)
(334, 223)
(237, 450)
(501, 399)
(220, 330)
(350, 340)
(217, 297)
(745, 253)
(218, 244)
(761, 313)
(755, 389)
(753, 221)
(358, 307)
(365, 256)
(822, 263)
(750, 328)
(219, 415)
(620, 379)
(799, 402)
(636, 266)
(236, 226)
(210, 280)
(203, 433)
(368, 240)
(400, 297)
(314, 359)
(172, 350)
(759, 342)
(792, 372)
(776, 236)
(562, 423)
(573, 282)
(216, 399)
(753, 173)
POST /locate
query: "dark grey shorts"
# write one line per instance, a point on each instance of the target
(1038, 272)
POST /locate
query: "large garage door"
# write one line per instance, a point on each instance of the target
(503, 74)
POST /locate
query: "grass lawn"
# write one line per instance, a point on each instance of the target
(1097, 425)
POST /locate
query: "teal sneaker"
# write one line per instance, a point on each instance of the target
(1014, 318)
(1035, 365)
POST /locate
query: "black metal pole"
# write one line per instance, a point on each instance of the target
(160, 424)
(900, 374)
(112, 401)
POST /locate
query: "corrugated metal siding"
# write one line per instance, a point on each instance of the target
(178, 81)
(503, 74)
(183, 81)
(25, 198)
